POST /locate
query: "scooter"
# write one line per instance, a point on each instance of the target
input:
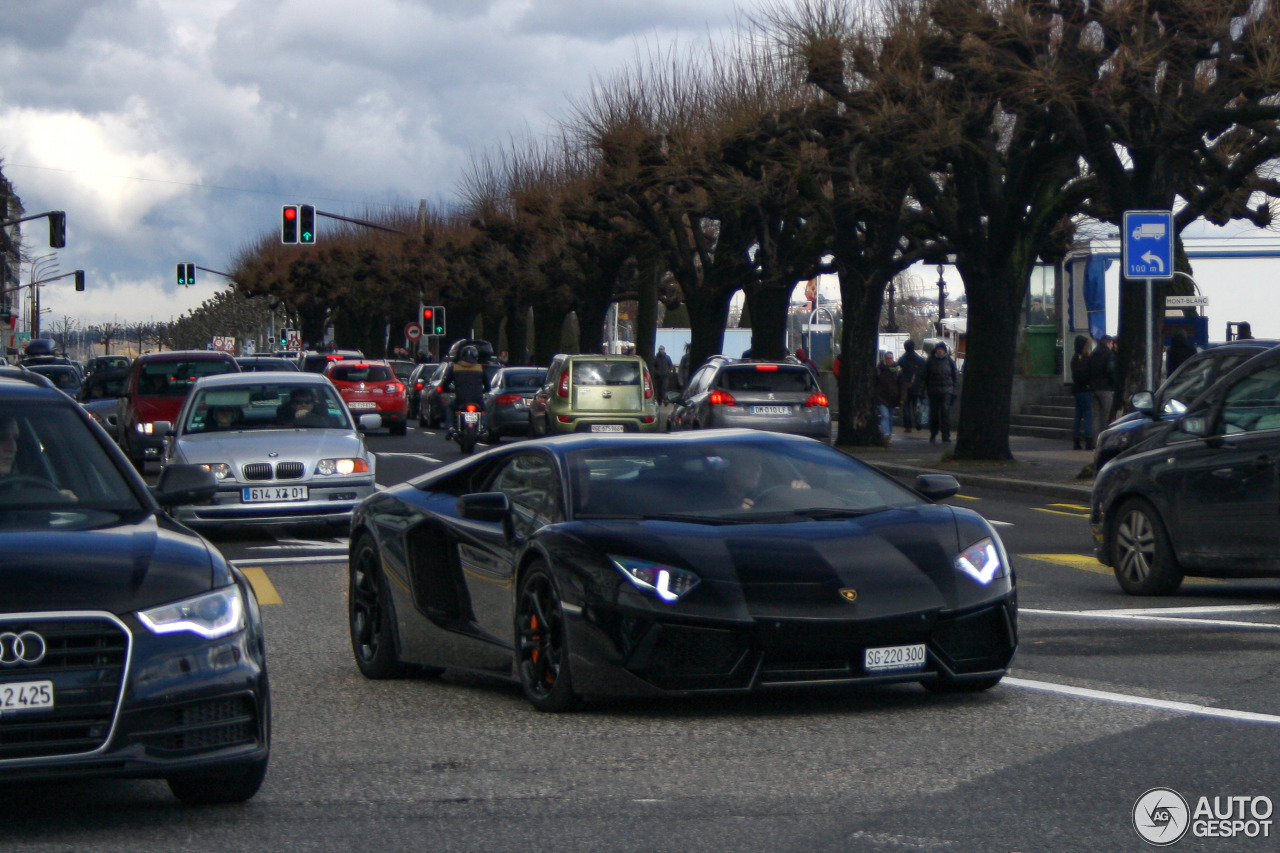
(468, 424)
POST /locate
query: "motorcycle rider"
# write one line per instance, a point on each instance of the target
(466, 380)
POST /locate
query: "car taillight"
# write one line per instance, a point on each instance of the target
(507, 399)
(815, 399)
(648, 386)
(721, 398)
(766, 367)
(563, 390)
(417, 386)
(395, 388)
(439, 389)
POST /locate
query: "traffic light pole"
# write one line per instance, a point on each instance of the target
(57, 226)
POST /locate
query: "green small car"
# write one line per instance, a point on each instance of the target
(595, 393)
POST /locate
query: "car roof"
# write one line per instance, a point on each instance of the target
(261, 376)
(26, 383)
(185, 355)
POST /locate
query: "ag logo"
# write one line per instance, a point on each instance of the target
(1161, 816)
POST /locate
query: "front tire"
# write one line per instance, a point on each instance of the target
(973, 685)
(373, 640)
(542, 643)
(231, 785)
(1141, 554)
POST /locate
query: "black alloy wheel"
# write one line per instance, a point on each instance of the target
(542, 643)
(370, 620)
(1141, 554)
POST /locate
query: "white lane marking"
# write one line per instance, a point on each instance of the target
(422, 456)
(995, 523)
(1179, 615)
(1142, 701)
(271, 561)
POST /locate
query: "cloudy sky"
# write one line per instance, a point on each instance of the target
(173, 130)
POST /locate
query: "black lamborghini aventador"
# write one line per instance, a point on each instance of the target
(714, 561)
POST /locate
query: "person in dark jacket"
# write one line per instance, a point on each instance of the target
(1102, 383)
(662, 371)
(911, 366)
(1180, 349)
(889, 392)
(940, 385)
(465, 378)
(1082, 427)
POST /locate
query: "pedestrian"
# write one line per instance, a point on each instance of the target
(1180, 349)
(662, 369)
(889, 393)
(940, 377)
(682, 372)
(1244, 332)
(1102, 384)
(1082, 427)
(911, 366)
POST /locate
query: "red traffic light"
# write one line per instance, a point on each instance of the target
(290, 213)
(427, 313)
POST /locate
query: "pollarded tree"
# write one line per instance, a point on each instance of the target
(1174, 105)
(871, 134)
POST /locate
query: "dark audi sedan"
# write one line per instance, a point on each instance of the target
(646, 565)
(1200, 495)
(128, 645)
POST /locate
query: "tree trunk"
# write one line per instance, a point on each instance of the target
(708, 313)
(517, 332)
(768, 307)
(1131, 346)
(647, 315)
(995, 309)
(548, 321)
(859, 417)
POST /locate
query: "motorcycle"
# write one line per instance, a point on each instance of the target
(468, 425)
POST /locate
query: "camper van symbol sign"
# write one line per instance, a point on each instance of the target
(1147, 244)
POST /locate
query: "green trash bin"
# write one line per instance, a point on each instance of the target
(1042, 349)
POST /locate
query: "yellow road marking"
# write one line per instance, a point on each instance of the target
(1080, 507)
(1090, 564)
(262, 586)
(967, 497)
(1060, 512)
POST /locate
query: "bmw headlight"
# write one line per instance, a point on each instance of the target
(342, 467)
(220, 470)
(983, 561)
(211, 615)
(667, 582)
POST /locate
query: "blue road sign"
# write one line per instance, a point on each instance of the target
(1146, 241)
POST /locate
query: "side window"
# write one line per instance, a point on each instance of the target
(701, 380)
(1252, 404)
(532, 485)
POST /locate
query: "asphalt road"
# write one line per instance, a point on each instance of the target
(1110, 696)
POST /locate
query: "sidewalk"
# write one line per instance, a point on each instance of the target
(1043, 466)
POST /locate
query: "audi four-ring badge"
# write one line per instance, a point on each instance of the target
(128, 645)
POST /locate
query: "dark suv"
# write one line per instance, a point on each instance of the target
(773, 396)
(1186, 383)
(131, 647)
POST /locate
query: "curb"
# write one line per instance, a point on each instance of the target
(1068, 491)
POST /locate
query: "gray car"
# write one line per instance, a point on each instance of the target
(771, 396)
(275, 460)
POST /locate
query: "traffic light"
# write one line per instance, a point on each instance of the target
(289, 224)
(306, 223)
(57, 229)
(428, 320)
(79, 279)
(436, 326)
(186, 274)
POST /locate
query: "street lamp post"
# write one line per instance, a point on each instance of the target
(942, 297)
(33, 325)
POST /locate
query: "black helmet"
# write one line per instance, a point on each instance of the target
(469, 354)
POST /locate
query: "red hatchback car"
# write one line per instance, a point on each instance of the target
(371, 388)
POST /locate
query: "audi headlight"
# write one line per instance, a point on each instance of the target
(220, 470)
(667, 582)
(211, 615)
(983, 561)
(343, 467)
